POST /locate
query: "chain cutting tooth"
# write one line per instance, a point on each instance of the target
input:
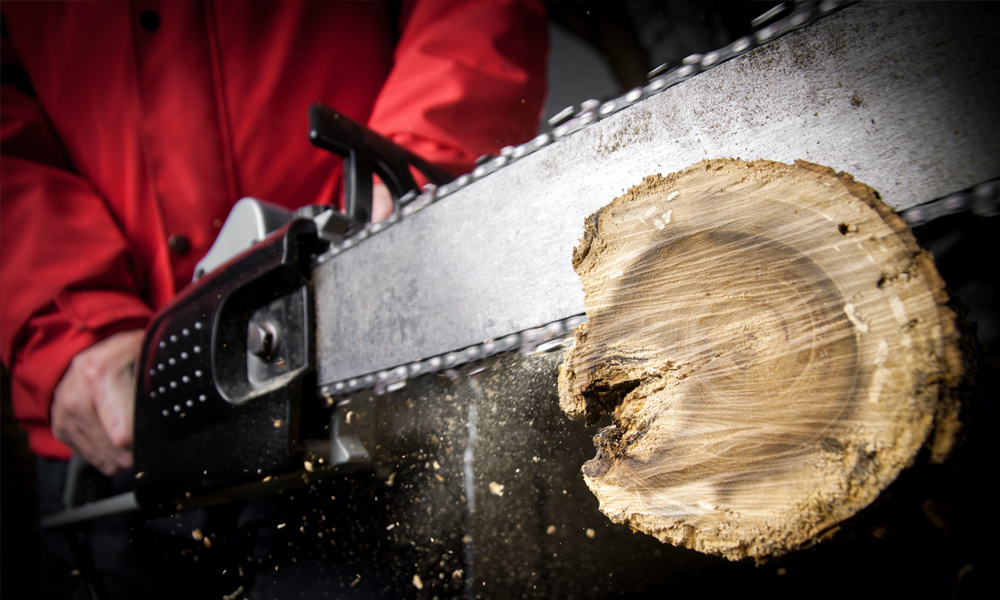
(765, 33)
(588, 105)
(656, 85)
(744, 44)
(549, 346)
(417, 205)
(562, 116)
(687, 71)
(710, 59)
(831, 5)
(800, 18)
(770, 15)
(957, 202)
(396, 386)
(691, 59)
(528, 147)
(660, 70)
(541, 140)
(986, 199)
(511, 341)
(408, 197)
(915, 217)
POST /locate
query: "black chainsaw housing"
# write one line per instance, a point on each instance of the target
(211, 412)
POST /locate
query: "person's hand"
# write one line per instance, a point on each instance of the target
(92, 404)
(381, 202)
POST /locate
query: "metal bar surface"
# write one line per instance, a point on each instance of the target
(114, 505)
(902, 96)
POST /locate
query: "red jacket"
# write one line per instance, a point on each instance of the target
(126, 124)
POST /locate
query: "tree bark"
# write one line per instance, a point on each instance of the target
(773, 349)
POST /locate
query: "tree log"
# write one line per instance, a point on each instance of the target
(773, 349)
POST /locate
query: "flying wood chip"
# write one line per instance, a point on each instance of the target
(772, 346)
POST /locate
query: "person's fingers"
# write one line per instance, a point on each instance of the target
(381, 202)
(113, 396)
(113, 407)
(92, 407)
(75, 423)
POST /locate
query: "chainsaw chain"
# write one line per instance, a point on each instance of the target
(557, 335)
(981, 200)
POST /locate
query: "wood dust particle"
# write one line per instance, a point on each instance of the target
(236, 594)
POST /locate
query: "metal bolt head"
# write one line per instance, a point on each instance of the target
(261, 341)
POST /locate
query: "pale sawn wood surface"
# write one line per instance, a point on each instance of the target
(772, 346)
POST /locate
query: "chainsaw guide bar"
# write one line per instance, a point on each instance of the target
(490, 261)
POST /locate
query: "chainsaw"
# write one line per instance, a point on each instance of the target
(278, 365)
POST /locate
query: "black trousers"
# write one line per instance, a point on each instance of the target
(283, 546)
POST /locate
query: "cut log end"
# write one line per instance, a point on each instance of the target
(772, 346)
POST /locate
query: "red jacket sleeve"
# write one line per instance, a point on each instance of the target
(56, 299)
(468, 79)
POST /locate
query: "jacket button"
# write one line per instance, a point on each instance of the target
(178, 244)
(149, 20)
